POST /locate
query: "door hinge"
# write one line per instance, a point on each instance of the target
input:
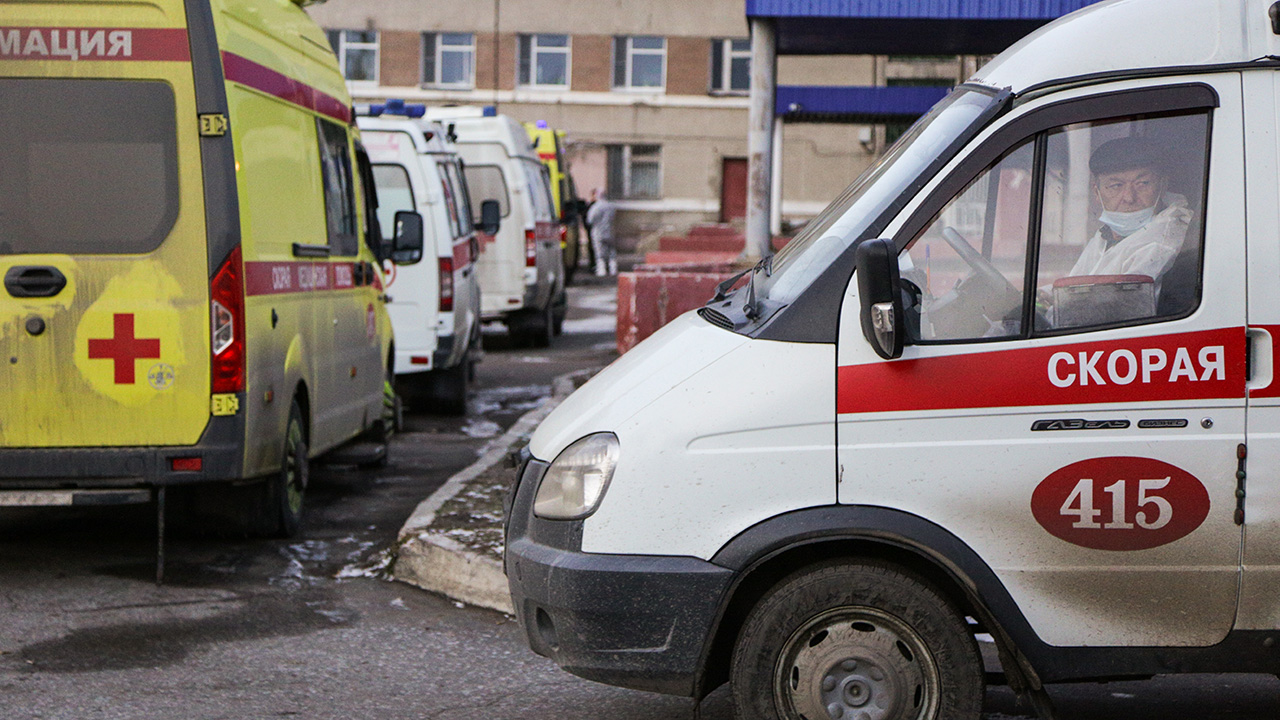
(213, 125)
(1242, 452)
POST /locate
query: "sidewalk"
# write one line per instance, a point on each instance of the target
(452, 543)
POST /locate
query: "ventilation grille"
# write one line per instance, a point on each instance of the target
(716, 318)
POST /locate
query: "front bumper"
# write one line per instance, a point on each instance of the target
(640, 622)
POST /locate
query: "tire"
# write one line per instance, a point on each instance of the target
(279, 498)
(864, 640)
(449, 390)
(544, 328)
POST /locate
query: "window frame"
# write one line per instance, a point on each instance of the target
(723, 52)
(628, 153)
(626, 44)
(527, 59)
(1160, 100)
(340, 244)
(342, 45)
(437, 60)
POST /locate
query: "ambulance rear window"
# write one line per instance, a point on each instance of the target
(89, 166)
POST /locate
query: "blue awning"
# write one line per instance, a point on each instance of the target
(918, 9)
(870, 105)
(905, 27)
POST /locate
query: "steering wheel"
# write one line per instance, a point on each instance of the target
(981, 266)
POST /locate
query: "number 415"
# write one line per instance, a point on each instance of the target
(1080, 504)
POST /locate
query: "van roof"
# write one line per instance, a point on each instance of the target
(416, 128)
(1121, 35)
(502, 130)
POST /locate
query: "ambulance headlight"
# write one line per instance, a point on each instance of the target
(574, 484)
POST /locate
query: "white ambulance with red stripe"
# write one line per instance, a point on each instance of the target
(1017, 384)
(434, 302)
(192, 295)
(521, 270)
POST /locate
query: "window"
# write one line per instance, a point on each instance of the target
(1121, 220)
(357, 52)
(449, 59)
(450, 201)
(965, 271)
(731, 66)
(539, 184)
(544, 61)
(1117, 208)
(634, 171)
(394, 194)
(461, 197)
(90, 166)
(486, 182)
(893, 131)
(639, 62)
(339, 195)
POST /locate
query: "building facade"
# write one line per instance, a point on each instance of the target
(652, 95)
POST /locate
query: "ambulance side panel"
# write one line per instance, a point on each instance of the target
(315, 327)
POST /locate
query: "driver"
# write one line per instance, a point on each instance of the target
(1143, 224)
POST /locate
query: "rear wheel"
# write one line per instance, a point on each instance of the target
(856, 640)
(449, 389)
(543, 328)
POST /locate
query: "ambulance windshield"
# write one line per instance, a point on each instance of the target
(90, 166)
(851, 215)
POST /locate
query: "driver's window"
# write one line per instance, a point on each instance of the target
(966, 270)
(1121, 226)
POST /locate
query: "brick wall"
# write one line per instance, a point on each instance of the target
(400, 58)
(688, 65)
(592, 57)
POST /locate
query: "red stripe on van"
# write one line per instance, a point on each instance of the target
(260, 77)
(92, 44)
(279, 278)
(1188, 366)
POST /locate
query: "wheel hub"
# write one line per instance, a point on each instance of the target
(857, 664)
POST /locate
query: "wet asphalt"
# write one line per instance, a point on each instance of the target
(310, 627)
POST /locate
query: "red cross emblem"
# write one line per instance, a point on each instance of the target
(124, 348)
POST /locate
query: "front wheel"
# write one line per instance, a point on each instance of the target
(862, 641)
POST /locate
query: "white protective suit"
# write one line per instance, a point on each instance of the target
(1149, 251)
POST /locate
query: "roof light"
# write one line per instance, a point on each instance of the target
(490, 111)
(541, 124)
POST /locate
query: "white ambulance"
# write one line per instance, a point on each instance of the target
(1043, 408)
(434, 300)
(520, 267)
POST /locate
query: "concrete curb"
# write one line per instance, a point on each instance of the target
(440, 564)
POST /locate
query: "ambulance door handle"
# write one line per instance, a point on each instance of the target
(34, 281)
(1261, 360)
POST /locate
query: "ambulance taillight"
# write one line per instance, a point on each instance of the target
(530, 248)
(226, 311)
(446, 284)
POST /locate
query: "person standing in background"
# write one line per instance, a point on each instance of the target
(600, 217)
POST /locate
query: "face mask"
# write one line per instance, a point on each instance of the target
(1125, 224)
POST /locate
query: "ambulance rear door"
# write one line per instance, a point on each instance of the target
(104, 314)
(1080, 436)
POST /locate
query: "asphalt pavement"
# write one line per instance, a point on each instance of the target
(314, 628)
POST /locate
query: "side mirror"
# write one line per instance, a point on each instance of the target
(406, 246)
(490, 217)
(880, 293)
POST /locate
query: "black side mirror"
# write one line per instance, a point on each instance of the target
(406, 247)
(490, 217)
(880, 294)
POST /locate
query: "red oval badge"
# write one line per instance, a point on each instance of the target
(1120, 503)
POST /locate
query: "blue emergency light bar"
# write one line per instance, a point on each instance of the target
(397, 106)
(489, 111)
